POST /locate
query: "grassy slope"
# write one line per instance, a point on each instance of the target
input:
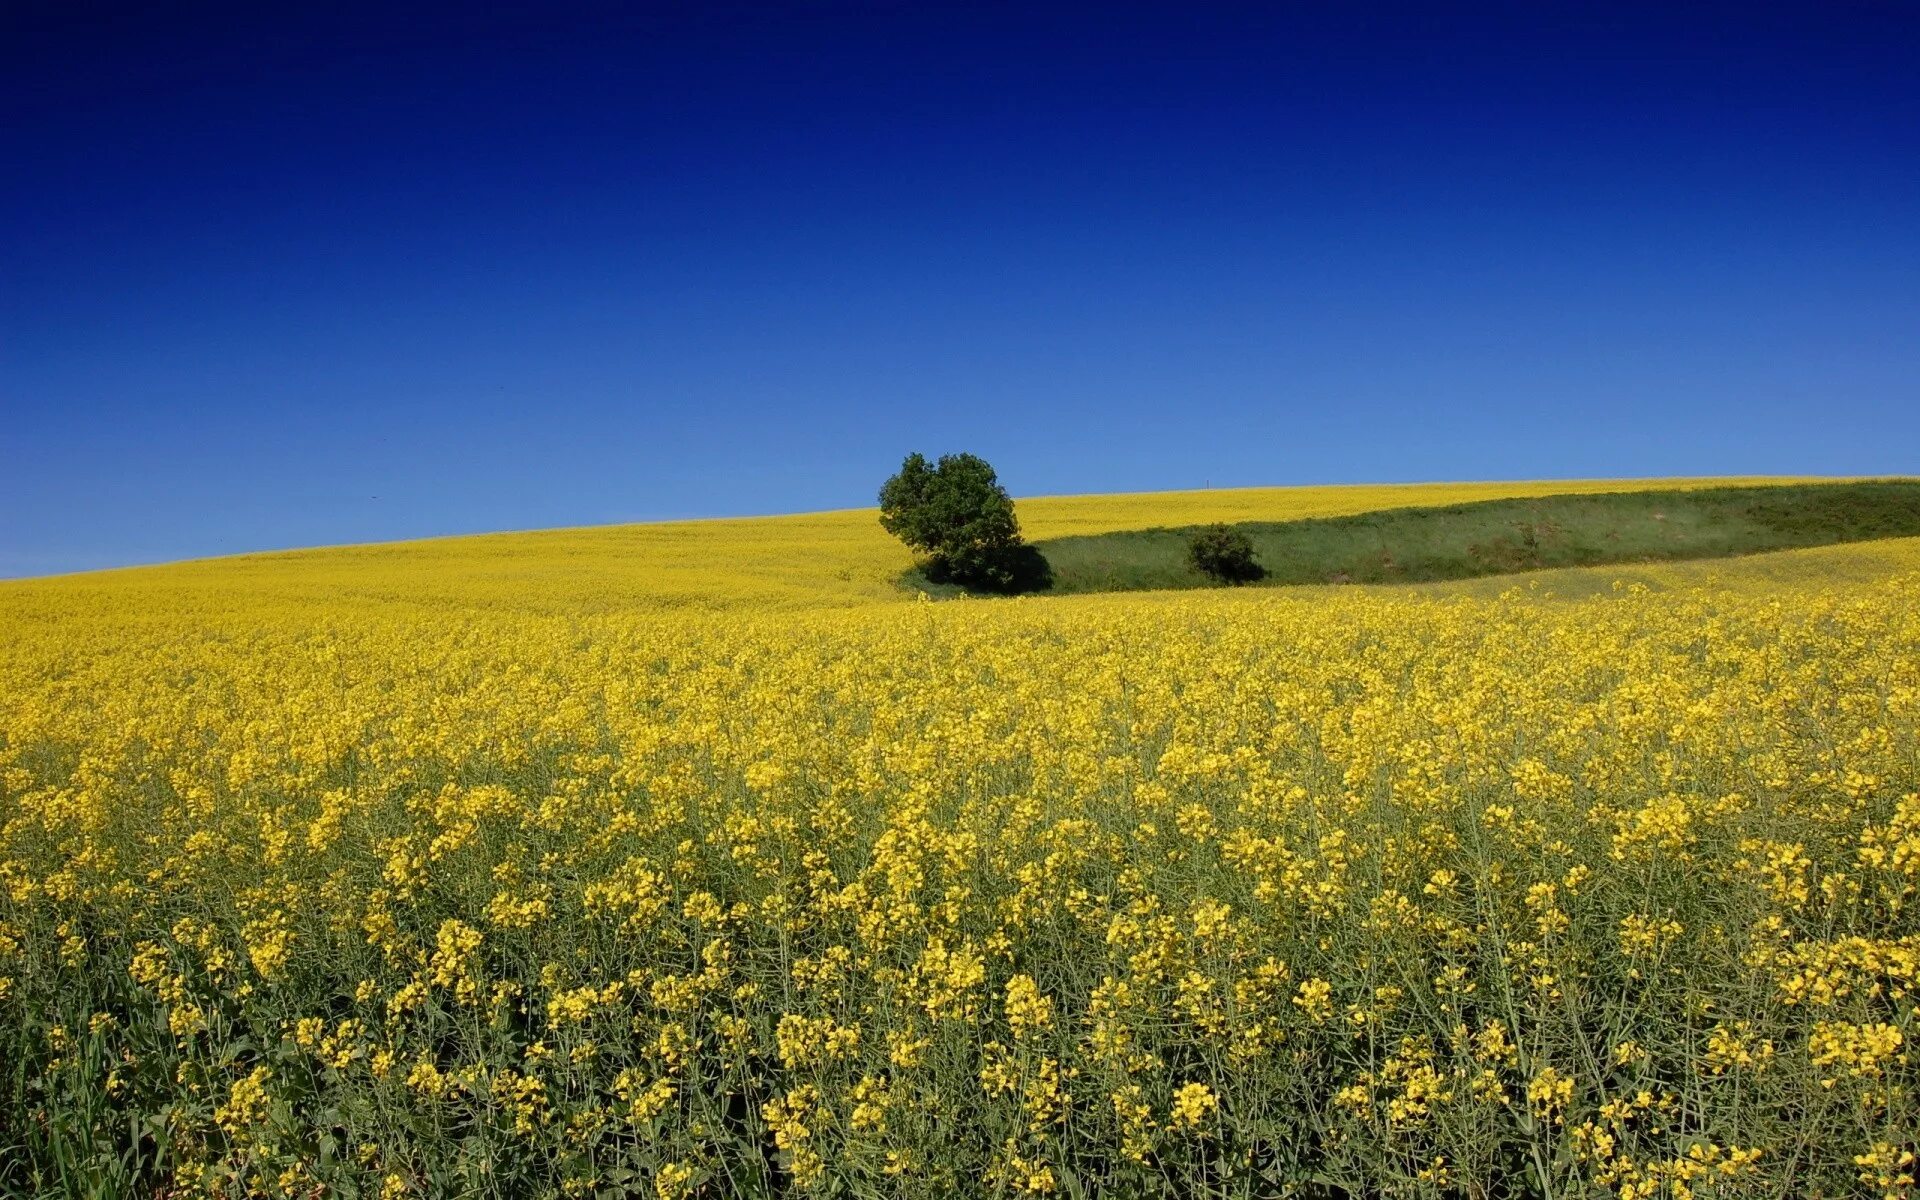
(790, 562)
(1458, 541)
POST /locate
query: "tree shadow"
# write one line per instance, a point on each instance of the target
(1031, 571)
(1025, 570)
(1236, 574)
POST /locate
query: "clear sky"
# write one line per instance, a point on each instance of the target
(278, 275)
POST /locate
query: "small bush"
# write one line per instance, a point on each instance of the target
(1223, 554)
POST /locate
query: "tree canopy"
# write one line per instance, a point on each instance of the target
(958, 517)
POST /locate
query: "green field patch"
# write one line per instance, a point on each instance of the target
(1498, 537)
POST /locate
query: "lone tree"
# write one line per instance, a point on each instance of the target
(1223, 554)
(957, 515)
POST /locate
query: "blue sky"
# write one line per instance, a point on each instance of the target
(282, 275)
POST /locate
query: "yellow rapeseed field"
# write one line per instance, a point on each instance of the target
(701, 860)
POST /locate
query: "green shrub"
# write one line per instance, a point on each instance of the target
(1223, 554)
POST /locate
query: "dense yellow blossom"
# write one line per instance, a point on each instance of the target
(1194, 1104)
(700, 860)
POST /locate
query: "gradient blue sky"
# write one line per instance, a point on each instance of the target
(291, 275)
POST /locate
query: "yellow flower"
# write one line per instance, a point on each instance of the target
(1027, 1008)
(674, 1181)
(1194, 1104)
(1549, 1093)
(1861, 1049)
(248, 1103)
(1315, 998)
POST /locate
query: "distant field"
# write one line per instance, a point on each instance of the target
(1496, 537)
(805, 560)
